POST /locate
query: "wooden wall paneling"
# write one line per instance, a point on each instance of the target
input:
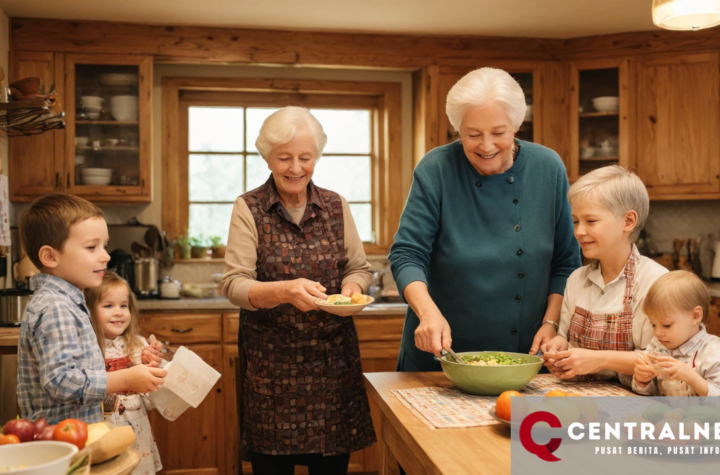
(201, 44)
(426, 111)
(713, 323)
(637, 44)
(33, 166)
(678, 117)
(171, 144)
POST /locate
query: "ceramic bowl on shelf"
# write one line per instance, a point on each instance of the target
(124, 108)
(82, 141)
(587, 152)
(93, 115)
(96, 181)
(606, 103)
(111, 142)
(92, 108)
(97, 171)
(92, 101)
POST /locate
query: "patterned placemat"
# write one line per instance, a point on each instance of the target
(444, 408)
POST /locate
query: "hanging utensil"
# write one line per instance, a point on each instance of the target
(152, 238)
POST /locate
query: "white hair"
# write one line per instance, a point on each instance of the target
(616, 189)
(284, 125)
(483, 87)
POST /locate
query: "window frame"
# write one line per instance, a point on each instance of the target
(383, 98)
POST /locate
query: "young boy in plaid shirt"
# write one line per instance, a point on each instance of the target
(61, 369)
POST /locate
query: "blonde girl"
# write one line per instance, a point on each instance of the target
(116, 321)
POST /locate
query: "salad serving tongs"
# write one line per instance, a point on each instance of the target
(452, 353)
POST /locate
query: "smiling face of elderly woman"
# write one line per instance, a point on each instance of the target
(292, 164)
(487, 139)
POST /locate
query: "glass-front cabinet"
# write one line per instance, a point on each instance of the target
(108, 127)
(599, 111)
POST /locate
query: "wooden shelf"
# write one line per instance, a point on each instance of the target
(116, 148)
(213, 260)
(106, 122)
(599, 114)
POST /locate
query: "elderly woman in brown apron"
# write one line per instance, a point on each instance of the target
(602, 320)
(302, 394)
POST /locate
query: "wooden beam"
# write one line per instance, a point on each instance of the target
(201, 44)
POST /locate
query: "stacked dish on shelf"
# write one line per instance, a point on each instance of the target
(92, 106)
(96, 176)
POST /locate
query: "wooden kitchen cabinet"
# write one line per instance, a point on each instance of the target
(119, 138)
(195, 442)
(52, 161)
(678, 147)
(36, 162)
(713, 324)
(600, 136)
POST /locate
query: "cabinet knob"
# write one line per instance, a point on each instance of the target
(187, 330)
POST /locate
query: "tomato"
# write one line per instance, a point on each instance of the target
(9, 439)
(503, 409)
(555, 393)
(73, 431)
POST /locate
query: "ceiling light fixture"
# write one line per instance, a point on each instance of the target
(686, 14)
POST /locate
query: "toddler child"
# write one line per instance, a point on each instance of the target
(115, 318)
(677, 305)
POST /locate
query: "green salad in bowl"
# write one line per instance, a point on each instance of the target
(489, 373)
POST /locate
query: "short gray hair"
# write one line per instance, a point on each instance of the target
(616, 189)
(284, 125)
(483, 87)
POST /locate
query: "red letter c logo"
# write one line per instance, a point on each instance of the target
(542, 451)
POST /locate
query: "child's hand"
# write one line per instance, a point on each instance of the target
(152, 354)
(675, 369)
(144, 379)
(643, 373)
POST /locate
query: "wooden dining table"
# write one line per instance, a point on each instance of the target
(407, 440)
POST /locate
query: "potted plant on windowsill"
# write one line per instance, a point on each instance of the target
(200, 247)
(218, 246)
(183, 243)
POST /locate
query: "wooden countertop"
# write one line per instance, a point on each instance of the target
(435, 451)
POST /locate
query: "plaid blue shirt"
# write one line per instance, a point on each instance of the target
(61, 369)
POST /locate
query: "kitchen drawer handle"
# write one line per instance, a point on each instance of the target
(187, 330)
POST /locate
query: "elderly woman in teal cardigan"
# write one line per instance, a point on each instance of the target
(485, 242)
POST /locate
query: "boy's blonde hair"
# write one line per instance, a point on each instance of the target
(616, 189)
(93, 298)
(48, 220)
(677, 290)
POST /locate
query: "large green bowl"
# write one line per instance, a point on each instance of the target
(490, 380)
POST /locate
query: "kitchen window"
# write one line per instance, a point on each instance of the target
(223, 163)
(210, 158)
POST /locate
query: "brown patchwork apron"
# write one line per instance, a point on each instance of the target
(302, 391)
(611, 331)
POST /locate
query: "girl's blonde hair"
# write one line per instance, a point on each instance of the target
(93, 298)
(677, 290)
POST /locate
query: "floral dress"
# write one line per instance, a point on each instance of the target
(130, 408)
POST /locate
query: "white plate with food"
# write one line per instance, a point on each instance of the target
(344, 306)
